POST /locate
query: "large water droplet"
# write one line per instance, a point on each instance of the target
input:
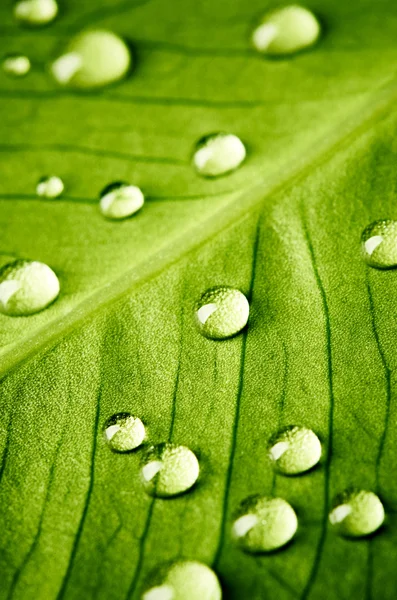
(120, 200)
(222, 312)
(218, 153)
(357, 513)
(50, 186)
(124, 432)
(169, 470)
(286, 31)
(26, 287)
(35, 12)
(379, 244)
(16, 65)
(295, 450)
(264, 524)
(92, 59)
(184, 580)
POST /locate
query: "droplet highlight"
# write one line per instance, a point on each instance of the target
(185, 580)
(91, 60)
(119, 200)
(50, 187)
(217, 154)
(27, 287)
(222, 312)
(124, 432)
(286, 31)
(264, 524)
(379, 244)
(34, 13)
(295, 450)
(357, 513)
(169, 470)
(16, 65)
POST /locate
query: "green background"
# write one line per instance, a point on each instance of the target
(285, 228)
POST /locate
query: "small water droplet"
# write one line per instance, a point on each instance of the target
(379, 244)
(218, 153)
(26, 287)
(169, 470)
(119, 200)
(16, 65)
(185, 580)
(35, 13)
(92, 59)
(124, 432)
(295, 450)
(357, 513)
(286, 31)
(264, 524)
(222, 312)
(50, 186)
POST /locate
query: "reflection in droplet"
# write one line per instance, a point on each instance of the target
(379, 244)
(295, 450)
(26, 287)
(184, 580)
(16, 65)
(120, 200)
(35, 12)
(50, 186)
(124, 432)
(92, 59)
(264, 524)
(218, 153)
(285, 31)
(357, 513)
(169, 470)
(222, 312)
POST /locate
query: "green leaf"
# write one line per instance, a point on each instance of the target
(285, 228)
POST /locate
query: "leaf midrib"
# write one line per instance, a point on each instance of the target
(260, 191)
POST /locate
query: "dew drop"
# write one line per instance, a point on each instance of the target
(124, 432)
(379, 244)
(169, 470)
(26, 287)
(218, 153)
(35, 13)
(16, 65)
(185, 580)
(357, 513)
(92, 59)
(119, 200)
(295, 450)
(285, 31)
(264, 524)
(222, 312)
(50, 186)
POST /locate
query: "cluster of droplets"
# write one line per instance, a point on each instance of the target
(94, 59)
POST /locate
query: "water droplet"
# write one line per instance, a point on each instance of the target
(185, 580)
(357, 513)
(264, 524)
(222, 312)
(92, 59)
(16, 65)
(286, 31)
(379, 244)
(218, 153)
(124, 432)
(120, 200)
(26, 287)
(169, 470)
(295, 450)
(35, 12)
(50, 187)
